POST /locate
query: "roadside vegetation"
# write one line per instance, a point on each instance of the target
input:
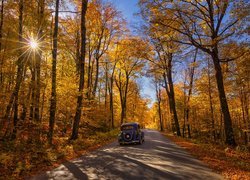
(231, 163)
(21, 158)
(71, 72)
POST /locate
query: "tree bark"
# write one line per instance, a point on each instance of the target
(111, 104)
(223, 101)
(1, 36)
(38, 57)
(158, 96)
(14, 96)
(170, 92)
(53, 83)
(33, 87)
(211, 102)
(192, 70)
(74, 134)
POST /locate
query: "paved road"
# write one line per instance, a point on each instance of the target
(157, 158)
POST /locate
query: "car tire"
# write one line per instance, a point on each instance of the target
(140, 142)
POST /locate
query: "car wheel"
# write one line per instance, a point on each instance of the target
(140, 142)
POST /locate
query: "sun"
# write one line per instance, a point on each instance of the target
(33, 44)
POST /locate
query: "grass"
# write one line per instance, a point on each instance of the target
(230, 163)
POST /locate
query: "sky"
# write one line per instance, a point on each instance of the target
(129, 8)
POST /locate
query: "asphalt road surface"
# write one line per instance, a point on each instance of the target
(157, 158)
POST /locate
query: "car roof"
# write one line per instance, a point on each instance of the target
(131, 123)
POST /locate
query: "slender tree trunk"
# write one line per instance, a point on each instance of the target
(15, 93)
(106, 85)
(170, 92)
(37, 90)
(111, 104)
(96, 77)
(1, 36)
(89, 76)
(33, 87)
(158, 95)
(125, 99)
(211, 102)
(122, 93)
(41, 6)
(223, 101)
(44, 91)
(74, 134)
(19, 71)
(97, 57)
(185, 106)
(77, 52)
(192, 71)
(53, 91)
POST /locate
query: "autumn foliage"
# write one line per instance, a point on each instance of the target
(71, 73)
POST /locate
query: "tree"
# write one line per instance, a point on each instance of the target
(1, 35)
(53, 83)
(204, 25)
(103, 23)
(158, 92)
(13, 103)
(187, 102)
(165, 51)
(130, 63)
(77, 118)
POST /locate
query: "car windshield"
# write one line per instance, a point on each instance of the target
(127, 127)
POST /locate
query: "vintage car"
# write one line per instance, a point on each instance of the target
(131, 134)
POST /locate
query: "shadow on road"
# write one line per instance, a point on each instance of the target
(157, 158)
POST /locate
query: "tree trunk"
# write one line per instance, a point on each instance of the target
(170, 92)
(211, 102)
(15, 93)
(106, 85)
(33, 84)
(192, 70)
(123, 95)
(96, 78)
(111, 104)
(74, 134)
(125, 98)
(1, 36)
(53, 83)
(97, 57)
(41, 7)
(158, 95)
(44, 91)
(223, 101)
(89, 73)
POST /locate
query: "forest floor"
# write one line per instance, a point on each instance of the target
(232, 163)
(23, 158)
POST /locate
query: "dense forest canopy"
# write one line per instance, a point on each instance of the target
(71, 66)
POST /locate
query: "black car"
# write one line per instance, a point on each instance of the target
(131, 134)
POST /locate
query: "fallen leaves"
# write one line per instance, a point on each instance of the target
(231, 163)
(22, 159)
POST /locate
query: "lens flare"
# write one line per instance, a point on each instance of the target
(33, 44)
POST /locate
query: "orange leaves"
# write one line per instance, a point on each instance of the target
(231, 163)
